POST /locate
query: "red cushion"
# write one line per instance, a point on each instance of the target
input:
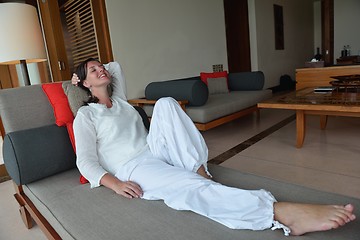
(59, 102)
(83, 180)
(62, 111)
(204, 76)
(70, 130)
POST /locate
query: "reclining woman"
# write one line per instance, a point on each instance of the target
(169, 162)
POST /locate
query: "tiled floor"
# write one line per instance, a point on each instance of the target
(329, 160)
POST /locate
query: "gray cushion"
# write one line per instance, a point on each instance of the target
(25, 107)
(76, 96)
(33, 154)
(217, 85)
(246, 81)
(192, 89)
(78, 212)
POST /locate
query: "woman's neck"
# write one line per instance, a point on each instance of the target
(103, 96)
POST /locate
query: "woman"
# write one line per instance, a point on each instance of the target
(169, 163)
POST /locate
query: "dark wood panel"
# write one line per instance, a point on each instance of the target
(237, 35)
(327, 32)
(5, 77)
(279, 27)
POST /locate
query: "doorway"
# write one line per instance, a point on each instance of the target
(237, 35)
(327, 31)
(68, 41)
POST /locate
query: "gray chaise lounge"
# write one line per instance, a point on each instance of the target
(39, 157)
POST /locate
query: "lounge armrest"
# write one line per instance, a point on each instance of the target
(33, 154)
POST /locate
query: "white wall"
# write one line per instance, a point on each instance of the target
(298, 37)
(166, 39)
(346, 26)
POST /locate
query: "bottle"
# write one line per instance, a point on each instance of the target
(348, 50)
(318, 56)
(344, 52)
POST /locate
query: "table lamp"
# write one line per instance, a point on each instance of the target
(21, 38)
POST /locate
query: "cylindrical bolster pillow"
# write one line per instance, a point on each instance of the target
(246, 81)
(37, 153)
(193, 90)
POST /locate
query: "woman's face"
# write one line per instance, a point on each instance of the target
(96, 75)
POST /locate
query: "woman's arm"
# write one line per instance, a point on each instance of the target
(118, 79)
(127, 189)
(88, 163)
(87, 159)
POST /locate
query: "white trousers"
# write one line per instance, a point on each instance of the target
(168, 172)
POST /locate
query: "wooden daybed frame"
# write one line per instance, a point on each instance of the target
(29, 212)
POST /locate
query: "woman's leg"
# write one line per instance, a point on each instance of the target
(235, 208)
(185, 190)
(232, 207)
(174, 138)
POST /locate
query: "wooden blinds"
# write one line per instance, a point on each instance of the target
(81, 30)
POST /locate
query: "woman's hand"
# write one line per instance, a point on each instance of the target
(75, 79)
(127, 189)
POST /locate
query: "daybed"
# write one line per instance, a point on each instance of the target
(211, 100)
(41, 161)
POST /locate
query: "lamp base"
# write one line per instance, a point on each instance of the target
(25, 72)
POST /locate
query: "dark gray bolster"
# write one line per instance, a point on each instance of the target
(33, 154)
(193, 90)
(246, 81)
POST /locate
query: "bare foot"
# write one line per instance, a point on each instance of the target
(303, 218)
(201, 171)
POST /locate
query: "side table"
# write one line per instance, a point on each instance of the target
(143, 101)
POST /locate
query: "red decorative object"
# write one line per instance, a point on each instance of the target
(204, 76)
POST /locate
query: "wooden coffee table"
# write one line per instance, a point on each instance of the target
(307, 102)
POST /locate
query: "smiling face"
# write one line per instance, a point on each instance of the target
(97, 75)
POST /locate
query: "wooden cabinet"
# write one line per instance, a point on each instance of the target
(315, 77)
(348, 60)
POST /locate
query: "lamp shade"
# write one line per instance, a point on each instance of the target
(21, 37)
